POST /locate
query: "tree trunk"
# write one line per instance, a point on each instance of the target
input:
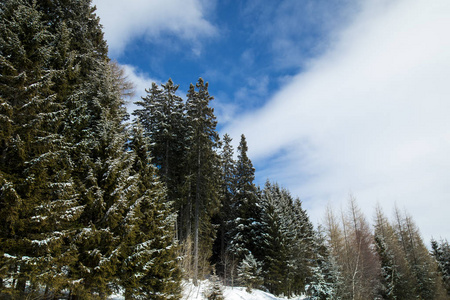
(197, 218)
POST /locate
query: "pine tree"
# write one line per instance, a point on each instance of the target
(203, 166)
(277, 243)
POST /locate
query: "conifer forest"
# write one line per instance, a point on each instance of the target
(94, 201)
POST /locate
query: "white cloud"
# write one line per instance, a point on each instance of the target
(124, 21)
(370, 116)
(141, 81)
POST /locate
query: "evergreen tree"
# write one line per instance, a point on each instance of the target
(204, 172)
(289, 242)
(37, 195)
(223, 218)
(277, 242)
(441, 252)
(67, 181)
(149, 268)
(250, 272)
(214, 291)
(397, 280)
(245, 226)
(428, 283)
(163, 117)
(324, 275)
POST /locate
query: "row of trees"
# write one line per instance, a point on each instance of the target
(91, 204)
(224, 220)
(263, 237)
(390, 262)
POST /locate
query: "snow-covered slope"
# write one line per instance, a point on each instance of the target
(190, 292)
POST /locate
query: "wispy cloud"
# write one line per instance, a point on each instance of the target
(370, 116)
(141, 81)
(295, 30)
(125, 21)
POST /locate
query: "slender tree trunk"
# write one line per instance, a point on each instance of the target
(189, 208)
(166, 169)
(197, 217)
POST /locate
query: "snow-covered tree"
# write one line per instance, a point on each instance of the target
(245, 224)
(396, 276)
(288, 242)
(250, 272)
(322, 283)
(428, 282)
(162, 115)
(220, 258)
(37, 193)
(148, 258)
(214, 291)
(441, 252)
(204, 172)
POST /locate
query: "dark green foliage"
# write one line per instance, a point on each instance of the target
(245, 223)
(288, 242)
(149, 267)
(67, 179)
(37, 196)
(224, 217)
(204, 172)
(441, 252)
(396, 277)
(427, 280)
(162, 116)
(89, 206)
(250, 273)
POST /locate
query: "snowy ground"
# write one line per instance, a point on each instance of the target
(191, 292)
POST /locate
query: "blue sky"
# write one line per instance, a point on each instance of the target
(334, 96)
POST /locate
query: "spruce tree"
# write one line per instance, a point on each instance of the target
(204, 172)
(223, 218)
(441, 252)
(276, 244)
(289, 242)
(322, 283)
(163, 118)
(245, 230)
(149, 267)
(250, 273)
(396, 277)
(424, 268)
(37, 192)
